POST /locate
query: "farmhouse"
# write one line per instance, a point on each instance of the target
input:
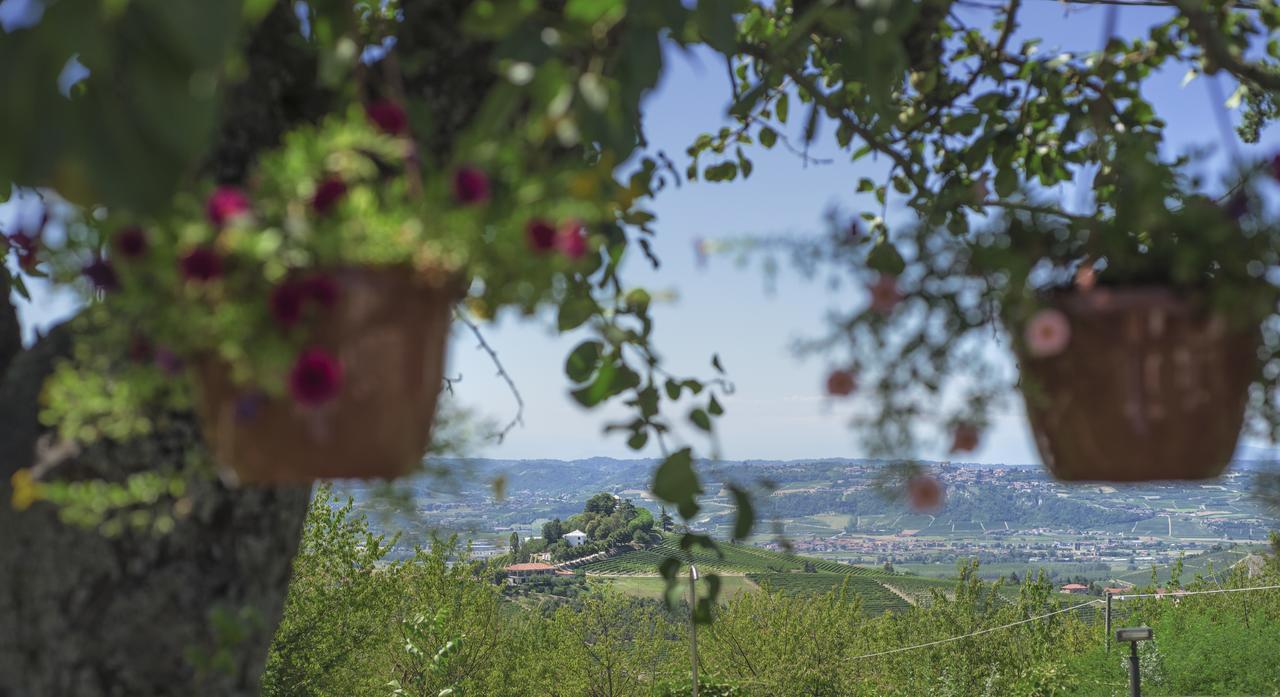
(1075, 588)
(575, 538)
(518, 572)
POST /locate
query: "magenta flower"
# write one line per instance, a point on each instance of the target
(540, 235)
(1047, 333)
(841, 383)
(316, 378)
(572, 240)
(328, 193)
(102, 275)
(201, 265)
(470, 185)
(387, 116)
(130, 242)
(885, 294)
(924, 493)
(225, 204)
(965, 438)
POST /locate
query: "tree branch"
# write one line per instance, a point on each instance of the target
(1215, 47)
(518, 419)
(824, 100)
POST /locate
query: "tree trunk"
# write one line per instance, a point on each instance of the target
(193, 611)
(190, 612)
(82, 614)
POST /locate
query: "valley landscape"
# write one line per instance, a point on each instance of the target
(1013, 520)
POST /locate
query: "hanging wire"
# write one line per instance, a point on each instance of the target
(974, 634)
(1183, 594)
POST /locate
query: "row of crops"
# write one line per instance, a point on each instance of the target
(920, 589)
(876, 599)
(736, 559)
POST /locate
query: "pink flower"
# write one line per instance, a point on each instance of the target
(965, 438)
(225, 204)
(201, 264)
(1048, 333)
(316, 378)
(885, 294)
(470, 185)
(1086, 278)
(387, 116)
(328, 193)
(572, 240)
(841, 383)
(540, 235)
(130, 242)
(924, 493)
(102, 275)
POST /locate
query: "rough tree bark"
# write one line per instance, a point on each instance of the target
(82, 615)
(86, 615)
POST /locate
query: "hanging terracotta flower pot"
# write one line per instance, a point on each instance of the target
(1135, 385)
(361, 397)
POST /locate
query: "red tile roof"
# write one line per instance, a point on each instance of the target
(534, 566)
(1075, 587)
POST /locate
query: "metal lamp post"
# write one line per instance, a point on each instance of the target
(693, 626)
(1133, 635)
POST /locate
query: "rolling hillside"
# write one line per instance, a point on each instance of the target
(636, 572)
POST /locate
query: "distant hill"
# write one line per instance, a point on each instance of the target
(880, 591)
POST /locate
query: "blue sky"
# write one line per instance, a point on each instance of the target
(778, 409)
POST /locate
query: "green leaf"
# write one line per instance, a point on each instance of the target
(884, 257)
(715, 22)
(591, 11)
(638, 440)
(746, 513)
(675, 482)
(768, 137)
(1006, 182)
(673, 389)
(714, 408)
(865, 185)
(700, 419)
(782, 107)
(575, 310)
(582, 361)
(715, 363)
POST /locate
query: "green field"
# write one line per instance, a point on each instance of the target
(653, 587)
(876, 598)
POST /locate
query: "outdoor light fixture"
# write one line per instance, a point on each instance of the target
(1133, 635)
